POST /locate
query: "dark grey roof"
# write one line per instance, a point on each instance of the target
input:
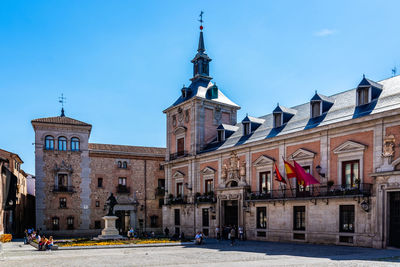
(318, 96)
(253, 119)
(199, 88)
(283, 109)
(344, 108)
(228, 127)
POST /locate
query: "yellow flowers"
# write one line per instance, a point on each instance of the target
(5, 238)
(79, 243)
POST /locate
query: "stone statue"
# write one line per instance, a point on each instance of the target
(388, 146)
(111, 202)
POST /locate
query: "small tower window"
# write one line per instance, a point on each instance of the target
(277, 120)
(74, 144)
(363, 96)
(221, 135)
(119, 164)
(62, 143)
(246, 128)
(315, 109)
(49, 142)
(124, 165)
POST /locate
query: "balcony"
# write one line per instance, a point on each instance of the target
(177, 200)
(312, 192)
(123, 189)
(208, 197)
(160, 191)
(179, 154)
(63, 189)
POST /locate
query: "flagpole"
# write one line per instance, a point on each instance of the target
(284, 167)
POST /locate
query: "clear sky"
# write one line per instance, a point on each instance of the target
(121, 63)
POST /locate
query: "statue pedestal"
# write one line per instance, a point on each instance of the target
(109, 231)
(386, 167)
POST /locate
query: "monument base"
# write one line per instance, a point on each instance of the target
(109, 232)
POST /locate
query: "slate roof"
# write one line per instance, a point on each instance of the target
(122, 149)
(199, 88)
(61, 120)
(343, 109)
(228, 127)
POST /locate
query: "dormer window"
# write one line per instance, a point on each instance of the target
(315, 109)
(220, 135)
(246, 128)
(277, 120)
(185, 92)
(363, 96)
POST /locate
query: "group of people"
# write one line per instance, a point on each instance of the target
(136, 234)
(229, 232)
(199, 238)
(43, 242)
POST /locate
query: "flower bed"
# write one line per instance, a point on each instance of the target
(5, 238)
(81, 243)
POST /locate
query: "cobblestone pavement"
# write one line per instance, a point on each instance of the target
(249, 253)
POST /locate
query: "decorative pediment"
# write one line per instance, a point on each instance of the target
(302, 153)
(263, 160)
(180, 130)
(63, 167)
(178, 174)
(349, 146)
(208, 171)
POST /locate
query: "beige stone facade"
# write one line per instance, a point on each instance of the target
(74, 178)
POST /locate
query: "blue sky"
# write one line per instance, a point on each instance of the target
(120, 63)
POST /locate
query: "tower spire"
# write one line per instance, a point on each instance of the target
(62, 100)
(201, 60)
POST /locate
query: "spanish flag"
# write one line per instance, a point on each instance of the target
(290, 171)
(278, 175)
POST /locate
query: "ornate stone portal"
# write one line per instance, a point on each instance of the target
(235, 171)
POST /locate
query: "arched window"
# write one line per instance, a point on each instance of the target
(74, 144)
(119, 164)
(124, 165)
(62, 143)
(49, 142)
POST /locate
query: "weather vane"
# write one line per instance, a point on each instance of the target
(394, 71)
(62, 100)
(201, 20)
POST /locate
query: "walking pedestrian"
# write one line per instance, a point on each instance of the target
(232, 235)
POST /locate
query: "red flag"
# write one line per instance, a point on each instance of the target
(290, 171)
(278, 175)
(304, 178)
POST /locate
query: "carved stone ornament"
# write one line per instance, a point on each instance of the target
(187, 116)
(234, 170)
(218, 114)
(63, 167)
(180, 115)
(388, 146)
(174, 120)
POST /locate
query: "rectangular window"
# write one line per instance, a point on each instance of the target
(350, 172)
(62, 181)
(153, 221)
(261, 218)
(99, 182)
(70, 223)
(97, 224)
(246, 128)
(56, 223)
(221, 136)
(315, 109)
(277, 120)
(299, 218)
(362, 96)
(179, 189)
(346, 218)
(264, 182)
(122, 181)
(206, 218)
(209, 185)
(177, 216)
(63, 203)
(97, 203)
(161, 183)
(181, 146)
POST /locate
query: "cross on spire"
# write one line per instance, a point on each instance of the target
(62, 100)
(201, 20)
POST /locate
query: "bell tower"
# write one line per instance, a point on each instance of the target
(193, 119)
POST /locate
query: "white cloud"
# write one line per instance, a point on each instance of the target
(325, 32)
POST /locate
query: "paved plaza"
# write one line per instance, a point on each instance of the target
(211, 254)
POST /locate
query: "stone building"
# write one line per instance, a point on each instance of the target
(74, 178)
(16, 205)
(220, 172)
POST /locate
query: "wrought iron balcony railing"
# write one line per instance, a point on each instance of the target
(62, 188)
(122, 189)
(314, 191)
(177, 200)
(208, 197)
(179, 154)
